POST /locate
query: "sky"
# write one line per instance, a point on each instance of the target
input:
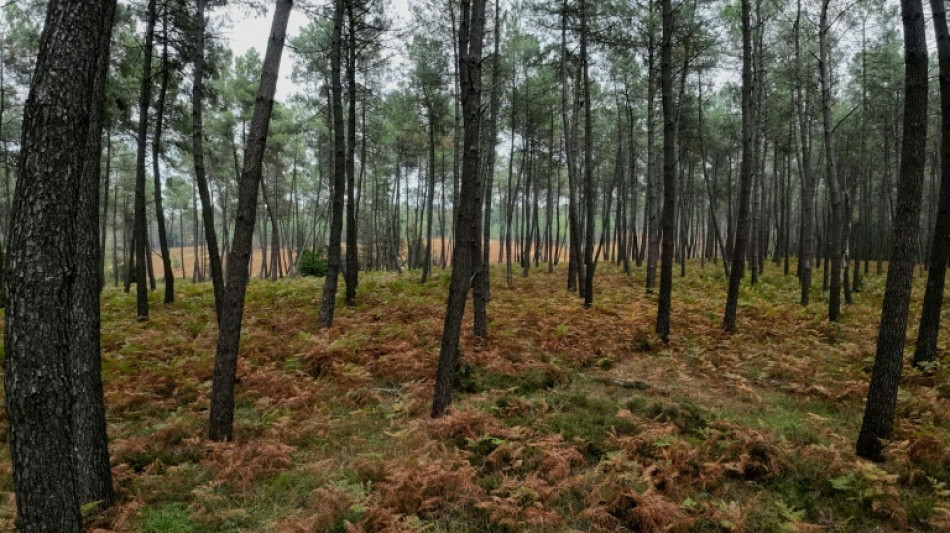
(249, 31)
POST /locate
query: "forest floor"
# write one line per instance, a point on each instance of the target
(569, 419)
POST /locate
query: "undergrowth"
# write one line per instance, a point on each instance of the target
(565, 419)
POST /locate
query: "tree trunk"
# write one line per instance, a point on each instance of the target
(351, 276)
(221, 425)
(156, 167)
(807, 253)
(745, 186)
(574, 275)
(669, 176)
(271, 210)
(926, 351)
(328, 304)
(466, 254)
(588, 166)
(140, 225)
(482, 292)
(91, 441)
(710, 190)
(831, 176)
(52, 266)
(878, 424)
(104, 225)
(430, 197)
(197, 146)
(652, 212)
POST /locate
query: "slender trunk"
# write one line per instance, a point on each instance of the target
(652, 212)
(589, 264)
(807, 253)
(351, 275)
(574, 275)
(157, 149)
(141, 226)
(197, 147)
(926, 350)
(430, 197)
(225, 361)
(709, 189)
(482, 292)
(466, 254)
(834, 192)
(745, 187)
(669, 176)
(328, 304)
(105, 214)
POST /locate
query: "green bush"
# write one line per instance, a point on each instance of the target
(312, 265)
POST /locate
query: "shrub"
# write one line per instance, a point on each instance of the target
(312, 265)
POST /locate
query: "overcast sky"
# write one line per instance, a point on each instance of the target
(253, 31)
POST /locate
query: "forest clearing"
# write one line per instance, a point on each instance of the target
(569, 419)
(183, 260)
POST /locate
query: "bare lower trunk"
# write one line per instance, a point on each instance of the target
(221, 424)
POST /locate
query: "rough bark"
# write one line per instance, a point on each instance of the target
(140, 224)
(221, 424)
(807, 253)
(652, 212)
(589, 264)
(574, 271)
(466, 253)
(157, 149)
(91, 441)
(49, 260)
(737, 271)
(669, 176)
(328, 304)
(483, 291)
(926, 350)
(197, 147)
(878, 423)
(831, 173)
(430, 198)
(351, 276)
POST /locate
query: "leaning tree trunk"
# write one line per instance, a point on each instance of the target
(926, 350)
(197, 146)
(878, 424)
(328, 304)
(466, 253)
(737, 271)
(52, 266)
(221, 425)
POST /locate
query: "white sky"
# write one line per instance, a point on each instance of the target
(253, 31)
